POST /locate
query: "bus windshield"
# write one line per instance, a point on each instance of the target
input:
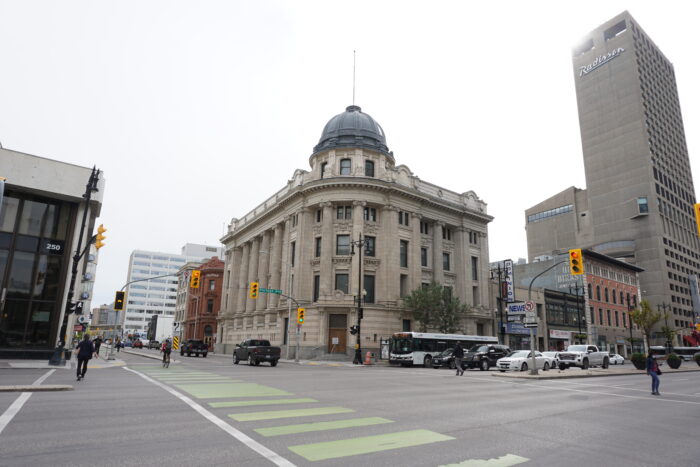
(402, 346)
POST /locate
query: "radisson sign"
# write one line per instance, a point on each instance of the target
(600, 61)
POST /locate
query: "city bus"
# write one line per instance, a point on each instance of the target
(411, 348)
(686, 353)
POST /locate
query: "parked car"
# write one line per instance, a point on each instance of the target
(617, 359)
(444, 359)
(154, 344)
(554, 356)
(520, 360)
(484, 356)
(583, 356)
(256, 351)
(194, 346)
(137, 344)
(127, 344)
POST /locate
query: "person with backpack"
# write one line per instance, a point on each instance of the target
(166, 348)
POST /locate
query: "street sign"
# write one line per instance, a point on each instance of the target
(530, 316)
(176, 343)
(530, 325)
(277, 291)
(529, 305)
(516, 308)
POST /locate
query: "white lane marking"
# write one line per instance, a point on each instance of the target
(251, 443)
(628, 389)
(12, 410)
(43, 378)
(503, 461)
(17, 405)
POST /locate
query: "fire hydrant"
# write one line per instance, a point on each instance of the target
(368, 358)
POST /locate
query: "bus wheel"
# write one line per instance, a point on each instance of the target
(428, 361)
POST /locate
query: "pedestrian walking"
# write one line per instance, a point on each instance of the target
(118, 344)
(86, 349)
(653, 371)
(458, 354)
(98, 343)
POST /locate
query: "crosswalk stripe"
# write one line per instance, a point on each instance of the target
(321, 426)
(247, 417)
(223, 390)
(217, 405)
(367, 444)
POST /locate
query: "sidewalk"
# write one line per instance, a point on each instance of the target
(592, 372)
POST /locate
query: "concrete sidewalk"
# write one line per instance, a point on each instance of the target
(590, 373)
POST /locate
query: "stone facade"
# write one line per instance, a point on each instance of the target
(300, 241)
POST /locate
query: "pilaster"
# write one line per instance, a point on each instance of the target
(438, 276)
(242, 292)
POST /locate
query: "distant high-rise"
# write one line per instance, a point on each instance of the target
(638, 205)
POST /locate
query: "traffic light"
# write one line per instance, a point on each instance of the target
(194, 278)
(354, 329)
(99, 241)
(697, 216)
(254, 289)
(119, 300)
(576, 262)
(300, 315)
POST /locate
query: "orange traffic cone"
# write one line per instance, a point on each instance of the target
(368, 358)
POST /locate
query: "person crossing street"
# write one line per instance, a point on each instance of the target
(86, 349)
(458, 353)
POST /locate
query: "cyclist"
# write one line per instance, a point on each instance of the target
(166, 348)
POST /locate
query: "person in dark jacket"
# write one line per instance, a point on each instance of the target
(85, 349)
(98, 343)
(458, 354)
(653, 371)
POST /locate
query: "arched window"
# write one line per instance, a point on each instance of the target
(208, 330)
(590, 291)
(614, 295)
(345, 166)
(597, 292)
(607, 295)
(369, 169)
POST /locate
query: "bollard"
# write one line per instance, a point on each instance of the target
(368, 358)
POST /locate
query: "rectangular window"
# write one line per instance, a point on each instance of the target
(210, 305)
(424, 257)
(600, 316)
(293, 253)
(624, 320)
(323, 168)
(212, 284)
(617, 319)
(317, 247)
(344, 212)
(609, 320)
(345, 166)
(317, 286)
(370, 214)
(369, 169)
(445, 261)
(403, 218)
(446, 233)
(319, 215)
(342, 245)
(403, 254)
(643, 205)
(403, 285)
(424, 228)
(406, 325)
(475, 268)
(369, 246)
(592, 310)
(368, 286)
(341, 282)
(475, 296)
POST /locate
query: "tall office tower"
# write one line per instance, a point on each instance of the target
(638, 205)
(146, 298)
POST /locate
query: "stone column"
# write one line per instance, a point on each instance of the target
(263, 268)
(416, 272)
(234, 274)
(387, 282)
(459, 265)
(358, 223)
(304, 246)
(327, 244)
(276, 265)
(437, 253)
(252, 272)
(242, 292)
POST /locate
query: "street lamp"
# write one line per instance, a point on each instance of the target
(501, 274)
(361, 243)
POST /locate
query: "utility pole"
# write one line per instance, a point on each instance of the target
(501, 273)
(361, 243)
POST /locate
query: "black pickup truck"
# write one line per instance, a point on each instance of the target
(256, 351)
(193, 346)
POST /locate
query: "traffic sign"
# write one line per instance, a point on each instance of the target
(277, 291)
(530, 325)
(529, 305)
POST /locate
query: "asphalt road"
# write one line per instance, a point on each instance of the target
(210, 412)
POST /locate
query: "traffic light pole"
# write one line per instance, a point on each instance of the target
(59, 358)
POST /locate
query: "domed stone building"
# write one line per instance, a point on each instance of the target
(303, 240)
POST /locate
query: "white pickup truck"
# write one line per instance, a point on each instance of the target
(583, 356)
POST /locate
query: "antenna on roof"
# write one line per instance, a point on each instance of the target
(353, 77)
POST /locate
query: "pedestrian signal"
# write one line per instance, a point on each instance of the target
(119, 300)
(300, 315)
(194, 279)
(576, 262)
(254, 289)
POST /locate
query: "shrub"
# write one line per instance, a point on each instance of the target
(674, 361)
(697, 358)
(639, 361)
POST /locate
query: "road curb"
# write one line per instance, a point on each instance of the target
(30, 388)
(589, 375)
(152, 357)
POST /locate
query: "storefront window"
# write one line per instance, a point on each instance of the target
(8, 214)
(39, 326)
(19, 283)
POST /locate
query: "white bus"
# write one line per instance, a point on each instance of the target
(410, 348)
(686, 353)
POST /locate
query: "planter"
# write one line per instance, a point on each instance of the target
(639, 361)
(697, 360)
(673, 361)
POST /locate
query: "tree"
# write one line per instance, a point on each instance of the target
(434, 306)
(646, 318)
(668, 332)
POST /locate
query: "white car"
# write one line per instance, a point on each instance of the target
(617, 359)
(520, 360)
(555, 358)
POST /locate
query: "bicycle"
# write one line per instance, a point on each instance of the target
(166, 359)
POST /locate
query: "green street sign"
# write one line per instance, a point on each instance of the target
(277, 291)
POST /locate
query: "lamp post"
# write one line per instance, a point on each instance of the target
(578, 306)
(361, 243)
(500, 273)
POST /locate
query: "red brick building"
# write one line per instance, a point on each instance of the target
(205, 302)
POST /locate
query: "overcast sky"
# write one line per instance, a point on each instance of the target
(198, 111)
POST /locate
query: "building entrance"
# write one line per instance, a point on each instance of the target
(337, 333)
